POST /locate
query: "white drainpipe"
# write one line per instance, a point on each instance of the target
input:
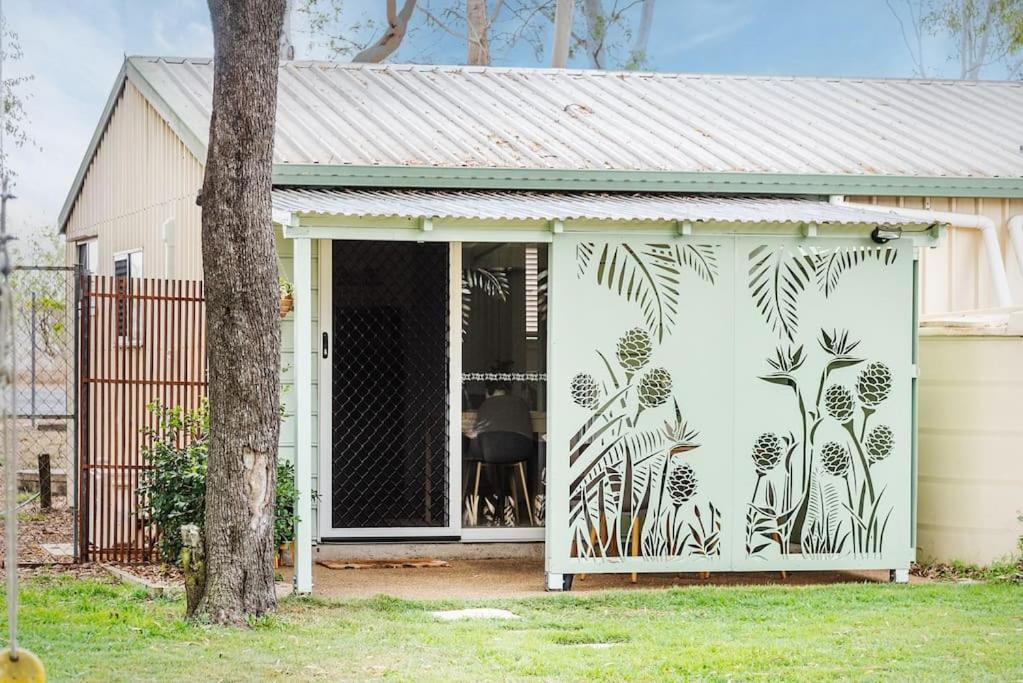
(988, 233)
(1016, 235)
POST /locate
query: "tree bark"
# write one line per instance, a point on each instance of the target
(397, 26)
(596, 32)
(638, 54)
(478, 29)
(242, 303)
(562, 33)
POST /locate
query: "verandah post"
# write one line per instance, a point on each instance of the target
(303, 415)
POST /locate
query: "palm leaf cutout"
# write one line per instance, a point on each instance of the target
(491, 281)
(583, 254)
(776, 279)
(701, 258)
(647, 277)
(831, 263)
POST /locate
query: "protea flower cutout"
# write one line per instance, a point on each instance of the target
(682, 483)
(634, 349)
(585, 391)
(873, 384)
(835, 459)
(879, 443)
(839, 402)
(654, 388)
(767, 451)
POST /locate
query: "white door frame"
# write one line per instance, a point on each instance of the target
(454, 529)
(325, 377)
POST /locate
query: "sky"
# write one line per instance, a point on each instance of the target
(73, 51)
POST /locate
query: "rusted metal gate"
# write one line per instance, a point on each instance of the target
(139, 341)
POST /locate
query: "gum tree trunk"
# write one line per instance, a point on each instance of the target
(242, 303)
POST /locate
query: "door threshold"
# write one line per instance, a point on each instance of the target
(391, 550)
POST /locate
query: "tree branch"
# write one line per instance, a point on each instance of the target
(395, 33)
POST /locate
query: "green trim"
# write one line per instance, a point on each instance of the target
(324, 175)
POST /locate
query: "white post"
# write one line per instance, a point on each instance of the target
(303, 415)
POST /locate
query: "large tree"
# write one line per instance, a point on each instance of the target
(240, 272)
(983, 32)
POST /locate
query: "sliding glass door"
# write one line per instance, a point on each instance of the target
(503, 398)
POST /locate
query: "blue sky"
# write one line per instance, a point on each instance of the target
(74, 50)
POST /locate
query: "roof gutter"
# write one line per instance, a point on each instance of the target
(988, 233)
(603, 180)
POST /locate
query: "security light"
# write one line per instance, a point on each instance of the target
(881, 234)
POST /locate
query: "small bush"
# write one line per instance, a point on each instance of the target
(172, 491)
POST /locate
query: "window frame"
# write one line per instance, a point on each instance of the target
(127, 321)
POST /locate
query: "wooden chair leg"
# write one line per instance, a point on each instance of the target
(476, 492)
(525, 493)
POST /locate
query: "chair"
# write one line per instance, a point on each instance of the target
(505, 449)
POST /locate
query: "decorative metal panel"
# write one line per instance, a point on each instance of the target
(729, 403)
(390, 374)
(823, 403)
(641, 404)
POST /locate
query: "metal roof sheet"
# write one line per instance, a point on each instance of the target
(456, 116)
(546, 206)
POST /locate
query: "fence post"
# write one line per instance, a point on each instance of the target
(45, 487)
(32, 337)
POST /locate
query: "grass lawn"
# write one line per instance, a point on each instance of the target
(97, 631)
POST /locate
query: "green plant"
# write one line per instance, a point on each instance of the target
(284, 511)
(286, 287)
(172, 490)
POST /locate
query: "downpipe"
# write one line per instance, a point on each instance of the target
(988, 232)
(1016, 237)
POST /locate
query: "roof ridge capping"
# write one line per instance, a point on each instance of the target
(591, 73)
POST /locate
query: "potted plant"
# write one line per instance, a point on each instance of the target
(287, 295)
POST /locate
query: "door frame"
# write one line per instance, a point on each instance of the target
(325, 378)
(326, 532)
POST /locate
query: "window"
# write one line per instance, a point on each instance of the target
(127, 267)
(88, 256)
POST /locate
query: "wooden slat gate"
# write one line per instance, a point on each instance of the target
(139, 341)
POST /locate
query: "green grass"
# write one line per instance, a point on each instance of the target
(96, 631)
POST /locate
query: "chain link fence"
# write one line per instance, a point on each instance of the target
(43, 409)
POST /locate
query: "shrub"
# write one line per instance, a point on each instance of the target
(172, 491)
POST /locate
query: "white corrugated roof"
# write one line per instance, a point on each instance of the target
(546, 206)
(454, 116)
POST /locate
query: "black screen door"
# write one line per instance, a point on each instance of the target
(389, 464)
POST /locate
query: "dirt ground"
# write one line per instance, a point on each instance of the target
(482, 579)
(38, 527)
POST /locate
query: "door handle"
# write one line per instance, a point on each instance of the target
(326, 345)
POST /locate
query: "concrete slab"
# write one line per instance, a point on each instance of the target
(517, 578)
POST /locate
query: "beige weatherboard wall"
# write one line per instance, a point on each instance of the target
(138, 194)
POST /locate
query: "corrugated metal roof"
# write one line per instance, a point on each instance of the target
(451, 116)
(583, 205)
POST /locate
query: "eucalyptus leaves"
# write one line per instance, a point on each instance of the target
(797, 498)
(633, 487)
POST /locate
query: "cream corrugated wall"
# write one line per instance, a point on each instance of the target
(956, 275)
(141, 176)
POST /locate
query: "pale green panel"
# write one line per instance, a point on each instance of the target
(639, 459)
(800, 409)
(286, 450)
